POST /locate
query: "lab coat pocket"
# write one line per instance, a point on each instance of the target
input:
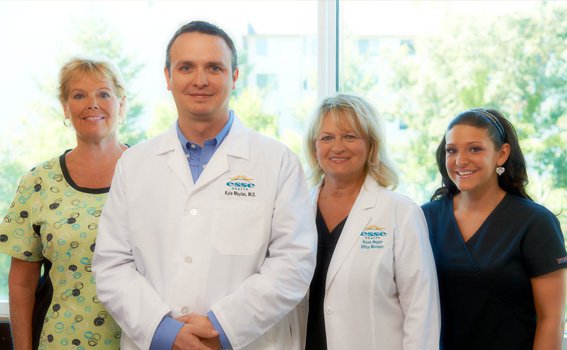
(237, 227)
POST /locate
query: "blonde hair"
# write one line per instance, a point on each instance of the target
(83, 67)
(358, 114)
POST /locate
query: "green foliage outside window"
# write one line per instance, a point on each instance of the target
(515, 63)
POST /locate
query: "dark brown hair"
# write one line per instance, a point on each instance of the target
(500, 131)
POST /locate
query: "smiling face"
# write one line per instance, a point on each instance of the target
(93, 108)
(472, 158)
(340, 151)
(201, 78)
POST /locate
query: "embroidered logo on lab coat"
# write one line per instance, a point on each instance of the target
(240, 186)
(372, 237)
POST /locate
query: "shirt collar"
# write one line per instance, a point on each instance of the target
(219, 138)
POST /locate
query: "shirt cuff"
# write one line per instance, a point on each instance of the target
(225, 344)
(165, 334)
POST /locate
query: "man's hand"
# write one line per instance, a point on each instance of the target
(198, 333)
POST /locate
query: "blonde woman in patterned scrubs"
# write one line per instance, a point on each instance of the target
(55, 216)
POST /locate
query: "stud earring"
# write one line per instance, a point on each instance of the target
(67, 122)
(500, 170)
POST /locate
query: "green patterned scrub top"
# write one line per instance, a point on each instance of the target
(53, 218)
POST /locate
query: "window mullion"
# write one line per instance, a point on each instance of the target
(327, 68)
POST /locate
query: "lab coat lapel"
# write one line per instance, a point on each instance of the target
(358, 218)
(176, 159)
(236, 144)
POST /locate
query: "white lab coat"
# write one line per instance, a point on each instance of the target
(241, 241)
(381, 287)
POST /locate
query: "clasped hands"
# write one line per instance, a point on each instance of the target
(197, 334)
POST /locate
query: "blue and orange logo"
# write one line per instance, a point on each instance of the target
(240, 182)
(373, 231)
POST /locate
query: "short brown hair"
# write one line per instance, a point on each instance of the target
(203, 28)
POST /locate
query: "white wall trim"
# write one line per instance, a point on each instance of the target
(4, 309)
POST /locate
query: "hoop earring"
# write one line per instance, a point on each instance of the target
(500, 170)
(65, 120)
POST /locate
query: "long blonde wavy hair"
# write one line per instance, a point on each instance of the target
(355, 112)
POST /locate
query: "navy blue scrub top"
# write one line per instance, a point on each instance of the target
(484, 284)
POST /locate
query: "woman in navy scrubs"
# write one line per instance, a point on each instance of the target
(500, 257)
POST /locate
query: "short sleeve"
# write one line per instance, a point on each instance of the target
(19, 233)
(543, 246)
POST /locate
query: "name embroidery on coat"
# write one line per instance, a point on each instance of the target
(240, 186)
(372, 237)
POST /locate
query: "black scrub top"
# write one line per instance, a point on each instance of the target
(484, 284)
(327, 241)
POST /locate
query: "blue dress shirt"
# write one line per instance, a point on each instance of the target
(198, 156)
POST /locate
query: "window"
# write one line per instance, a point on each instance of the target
(418, 62)
(437, 58)
(409, 46)
(368, 46)
(422, 62)
(32, 129)
(261, 47)
(266, 81)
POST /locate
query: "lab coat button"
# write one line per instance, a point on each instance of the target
(193, 212)
(185, 310)
(188, 260)
(329, 310)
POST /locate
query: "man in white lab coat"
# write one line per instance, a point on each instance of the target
(207, 239)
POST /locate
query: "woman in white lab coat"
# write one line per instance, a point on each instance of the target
(375, 285)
